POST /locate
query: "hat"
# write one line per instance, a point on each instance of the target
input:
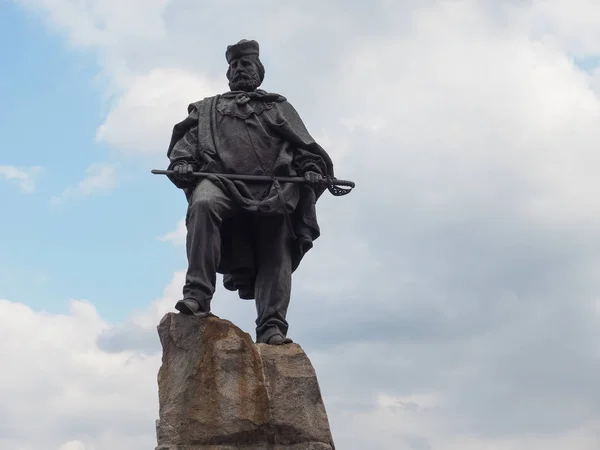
(242, 48)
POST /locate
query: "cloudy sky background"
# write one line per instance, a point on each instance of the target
(452, 300)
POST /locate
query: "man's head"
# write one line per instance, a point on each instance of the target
(245, 72)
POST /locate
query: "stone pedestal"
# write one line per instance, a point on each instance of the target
(220, 391)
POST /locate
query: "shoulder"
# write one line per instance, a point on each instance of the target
(196, 105)
(287, 108)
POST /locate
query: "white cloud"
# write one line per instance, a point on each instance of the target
(139, 332)
(24, 177)
(412, 428)
(102, 23)
(74, 445)
(142, 119)
(176, 237)
(100, 177)
(573, 25)
(80, 394)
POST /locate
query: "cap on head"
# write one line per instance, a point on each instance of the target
(242, 48)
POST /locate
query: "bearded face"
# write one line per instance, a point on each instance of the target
(244, 74)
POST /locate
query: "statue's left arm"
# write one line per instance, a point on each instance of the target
(308, 155)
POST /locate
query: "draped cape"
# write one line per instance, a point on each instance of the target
(258, 123)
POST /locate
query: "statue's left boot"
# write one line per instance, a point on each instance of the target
(278, 339)
(274, 339)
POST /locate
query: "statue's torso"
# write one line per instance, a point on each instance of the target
(248, 143)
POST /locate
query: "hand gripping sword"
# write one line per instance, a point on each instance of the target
(335, 186)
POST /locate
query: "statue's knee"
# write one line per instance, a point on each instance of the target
(204, 205)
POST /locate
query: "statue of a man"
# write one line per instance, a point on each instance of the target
(254, 233)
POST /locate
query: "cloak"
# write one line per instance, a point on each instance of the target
(199, 140)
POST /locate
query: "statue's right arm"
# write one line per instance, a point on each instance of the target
(183, 148)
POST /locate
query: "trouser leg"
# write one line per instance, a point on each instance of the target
(274, 276)
(208, 207)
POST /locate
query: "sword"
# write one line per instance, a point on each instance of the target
(335, 186)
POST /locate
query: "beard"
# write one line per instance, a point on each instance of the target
(244, 81)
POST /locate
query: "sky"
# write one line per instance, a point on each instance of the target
(452, 300)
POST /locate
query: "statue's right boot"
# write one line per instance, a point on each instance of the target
(192, 307)
(187, 306)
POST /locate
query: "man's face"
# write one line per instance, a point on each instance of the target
(244, 74)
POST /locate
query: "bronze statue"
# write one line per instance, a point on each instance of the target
(251, 211)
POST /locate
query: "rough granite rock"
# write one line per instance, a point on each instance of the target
(220, 391)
